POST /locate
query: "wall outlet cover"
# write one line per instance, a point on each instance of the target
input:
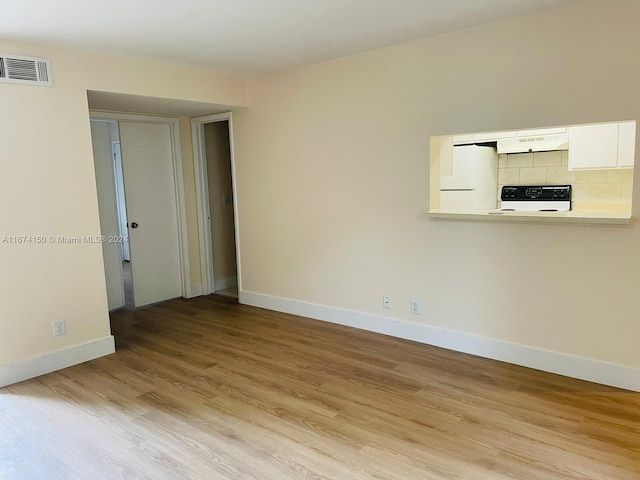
(386, 302)
(59, 327)
(416, 306)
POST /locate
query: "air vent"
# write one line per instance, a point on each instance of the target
(26, 70)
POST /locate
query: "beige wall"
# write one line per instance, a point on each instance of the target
(47, 187)
(332, 165)
(332, 173)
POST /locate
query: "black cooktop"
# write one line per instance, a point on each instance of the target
(540, 193)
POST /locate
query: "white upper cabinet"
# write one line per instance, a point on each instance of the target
(593, 146)
(462, 139)
(541, 131)
(626, 144)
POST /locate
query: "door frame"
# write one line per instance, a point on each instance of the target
(178, 182)
(120, 190)
(202, 198)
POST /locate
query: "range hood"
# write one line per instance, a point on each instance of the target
(538, 143)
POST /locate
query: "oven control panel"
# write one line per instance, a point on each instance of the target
(540, 193)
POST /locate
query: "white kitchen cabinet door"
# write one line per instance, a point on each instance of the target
(626, 144)
(593, 146)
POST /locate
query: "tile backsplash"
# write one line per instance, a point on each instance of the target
(551, 168)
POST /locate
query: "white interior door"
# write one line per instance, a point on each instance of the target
(101, 138)
(147, 159)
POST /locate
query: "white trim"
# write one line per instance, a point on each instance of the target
(202, 195)
(118, 171)
(174, 126)
(549, 361)
(34, 367)
(196, 290)
(236, 217)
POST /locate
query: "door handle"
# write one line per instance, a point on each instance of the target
(134, 225)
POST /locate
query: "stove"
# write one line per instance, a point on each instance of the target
(536, 198)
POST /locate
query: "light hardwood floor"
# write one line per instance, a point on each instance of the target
(209, 389)
(231, 292)
(127, 280)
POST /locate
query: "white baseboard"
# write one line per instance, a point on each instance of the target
(227, 282)
(549, 361)
(34, 367)
(196, 290)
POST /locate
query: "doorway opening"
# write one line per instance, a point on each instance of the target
(215, 184)
(141, 202)
(108, 169)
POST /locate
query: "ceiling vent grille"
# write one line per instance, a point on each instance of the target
(26, 70)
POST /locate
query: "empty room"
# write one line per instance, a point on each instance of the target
(319, 240)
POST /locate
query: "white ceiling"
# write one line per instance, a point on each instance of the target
(246, 37)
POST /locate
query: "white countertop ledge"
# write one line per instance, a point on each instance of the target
(568, 218)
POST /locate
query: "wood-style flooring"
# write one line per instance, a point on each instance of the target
(231, 292)
(127, 281)
(208, 389)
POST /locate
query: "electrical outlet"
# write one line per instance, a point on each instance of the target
(386, 302)
(416, 306)
(59, 327)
